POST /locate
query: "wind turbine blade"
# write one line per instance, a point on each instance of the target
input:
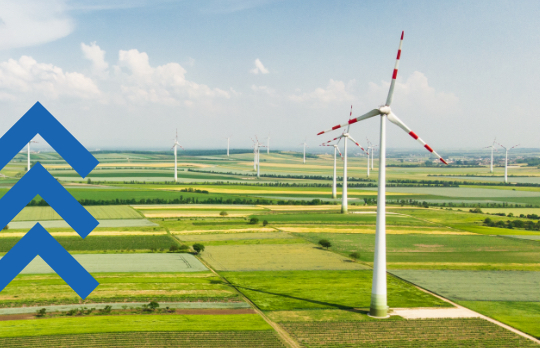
(350, 115)
(367, 115)
(357, 144)
(394, 74)
(514, 146)
(395, 120)
(339, 152)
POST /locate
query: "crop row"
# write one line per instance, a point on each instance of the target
(409, 333)
(248, 339)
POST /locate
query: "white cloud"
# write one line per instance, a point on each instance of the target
(96, 55)
(264, 89)
(26, 75)
(140, 82)
(259, 68)
(336, 91)
(415, 95)
(31, 22)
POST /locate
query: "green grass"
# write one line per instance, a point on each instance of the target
(201, 339)
(324, 315)
(291, 290)
(275, 257)
(233, 236)
(98, 212)
(523, 316)
(132, 323)
(477, 285)
(328, 218)
(252, 241)
(50, 289)
(429, 333)
(104, 243)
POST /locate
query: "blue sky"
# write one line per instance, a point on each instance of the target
(127, 73)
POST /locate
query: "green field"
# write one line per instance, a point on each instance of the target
(289, 290)
(50, 289)
(431, 333)
(132, 323)
(98, 212)
(149, 262)
(477, 285)
(275, 257)
(524, 316)
(143, 243)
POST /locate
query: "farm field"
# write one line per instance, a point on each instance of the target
(410, 333)
(58, 224)
(275, 257)
(119, 287)
(98, 212)
(291, 290)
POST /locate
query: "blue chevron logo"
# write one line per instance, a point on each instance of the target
(38, 181)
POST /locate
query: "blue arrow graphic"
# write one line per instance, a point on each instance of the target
(38, 181)
(38, 120)
(40, 242)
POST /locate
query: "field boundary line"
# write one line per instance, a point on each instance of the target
(282, 333)
(480, 315)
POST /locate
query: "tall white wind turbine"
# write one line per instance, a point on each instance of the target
(257, 153)
(379, 306)
(304, 144)
(506, 161)
(268, 145)
(334, 182)
(492, 146)
(228, 144)
(28, 157)
(175, 146)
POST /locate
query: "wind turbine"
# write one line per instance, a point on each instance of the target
(336, 150)
(175, 146)
(346, 136)
(506, 161)
(228, 143)
(28, 157)
(492, 146)
(304, 143)
(379, 307)
(257, 152)
(371, 149)
(268, 145)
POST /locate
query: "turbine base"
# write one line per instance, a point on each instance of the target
(379, 313)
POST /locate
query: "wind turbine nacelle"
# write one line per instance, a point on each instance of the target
(385, 110)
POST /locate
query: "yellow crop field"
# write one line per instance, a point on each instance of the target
(368, 230)
(219, 207)
(232, 230)
(95, 233)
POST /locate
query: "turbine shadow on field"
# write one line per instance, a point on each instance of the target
(296, 298)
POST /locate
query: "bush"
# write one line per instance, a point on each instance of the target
(41, 312)
(174, 248)
(223, 213)
(265, 222)
(355, 255)
(153, 305)
(106, 310)
(253, 221)
(6, 227)
(325, 243)
(198, 248)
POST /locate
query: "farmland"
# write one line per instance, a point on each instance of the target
(261, 251)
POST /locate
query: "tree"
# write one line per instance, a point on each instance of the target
(174, 248)
(355, 255)
(253, 221)
(265, 222)
(198, 248)
(153, 305)
(223, 213)
(325, 243)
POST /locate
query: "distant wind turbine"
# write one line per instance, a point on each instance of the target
(268, 145)
(492, 146)
(28, 157)
(228, 143)
(257, 152)
(175, 146)
(304, 143)
(379, 306)
(334, 182)
(506, 161)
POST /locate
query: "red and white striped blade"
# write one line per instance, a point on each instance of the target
(337, 148)
(350, 115)
(357, 144)
(370, 114)
(394, 119)
(394, 74)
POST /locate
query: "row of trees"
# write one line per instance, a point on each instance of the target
(527, 225)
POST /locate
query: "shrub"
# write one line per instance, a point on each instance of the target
(223, 213)
(355, 255)
(198, 248)
(174, 248)
(325, 243)
(153, 305)
(265, 222)
(106, 310)
(41, 312)
(253, 221)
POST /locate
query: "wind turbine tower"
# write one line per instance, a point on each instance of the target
(334, 182)
(228, 143)
(175, 146)
(506, 161)
(268, 145)
(28, 157)
(379, 304)
(492, 146)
